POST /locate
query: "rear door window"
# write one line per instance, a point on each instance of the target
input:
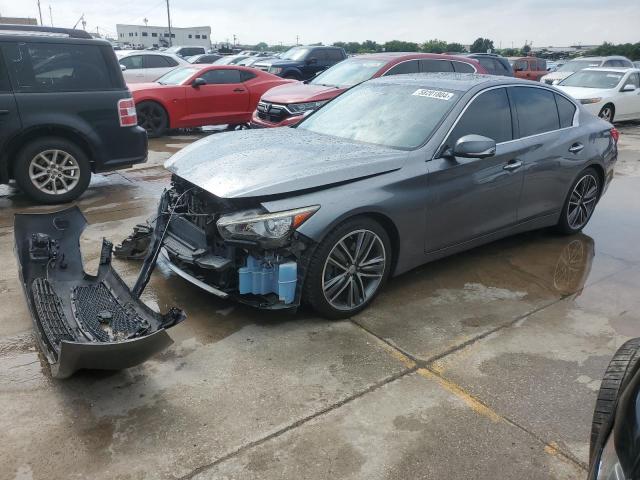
(436, 66)
(51, 67)
(155, 61)
(537, 111)
(462, 67)
(335, 55)
(217, 77)
(566, 111)
(493, 104)
(410, 66)
(244, 75)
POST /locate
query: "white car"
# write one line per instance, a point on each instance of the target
(147, 66)
(610, 93)
(578, 64)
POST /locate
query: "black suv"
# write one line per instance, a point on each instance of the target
(65, 112)
(493, 63)
(302, 63)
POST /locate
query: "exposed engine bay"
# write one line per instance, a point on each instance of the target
(225, 246)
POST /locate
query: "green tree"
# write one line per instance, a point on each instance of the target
(400, 46)
(455, 48)
(369, 46)
(261, 46)
(526, 49)
(481, 45)
(434, 46)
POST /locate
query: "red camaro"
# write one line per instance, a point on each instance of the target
(201, 95)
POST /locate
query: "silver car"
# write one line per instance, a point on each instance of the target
(394, 173)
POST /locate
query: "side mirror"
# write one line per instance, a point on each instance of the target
(474, 146)
(122, 67)
(312, 61)
(629, 87)
(198, 82)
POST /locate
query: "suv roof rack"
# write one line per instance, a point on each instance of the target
(70, 32)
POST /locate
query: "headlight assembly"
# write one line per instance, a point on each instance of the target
(305, 107)
(275, 70)
(270, 228)
(587, 101)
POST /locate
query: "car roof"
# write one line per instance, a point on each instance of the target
(127, 53)
(388, 56)
(609, 57)
(612, 69)
(451, 80)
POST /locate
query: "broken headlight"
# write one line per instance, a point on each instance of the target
(259, 226)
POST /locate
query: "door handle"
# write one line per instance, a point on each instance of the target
(512, 165)
(576, 147)
(4, 112)
(239, 90)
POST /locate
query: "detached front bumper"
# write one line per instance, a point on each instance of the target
(82, 321)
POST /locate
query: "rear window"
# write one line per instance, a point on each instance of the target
(462, 67)
(49, 67)
(156, 61)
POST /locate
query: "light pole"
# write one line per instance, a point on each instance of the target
(40, 12)
(50, 15)
(169, 22)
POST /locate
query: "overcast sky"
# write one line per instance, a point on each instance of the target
(543, 22)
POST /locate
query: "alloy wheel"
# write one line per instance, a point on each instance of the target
(582, 202)
(54, 172)
(354, 269)
(151, 118)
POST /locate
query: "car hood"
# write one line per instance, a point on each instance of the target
(556, 76)
(252, 163)
(300, 92)
(135, 87)
(582, 92)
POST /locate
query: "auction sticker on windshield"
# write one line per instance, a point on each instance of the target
(439, 94)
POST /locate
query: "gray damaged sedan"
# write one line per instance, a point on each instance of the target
(394, 173)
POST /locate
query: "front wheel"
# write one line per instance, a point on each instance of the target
(153, 118)
(581, 202)
(348, 268)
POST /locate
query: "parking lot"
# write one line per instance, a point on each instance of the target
(482, 365)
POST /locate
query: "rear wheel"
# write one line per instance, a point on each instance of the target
(581, 202)
(617, 372)
(348, 268)
(607, 112)
(153, 118)
(52, 170)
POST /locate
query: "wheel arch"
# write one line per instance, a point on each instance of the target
(10, 151)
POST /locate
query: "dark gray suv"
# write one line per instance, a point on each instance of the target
(65, 112)
(302, 63)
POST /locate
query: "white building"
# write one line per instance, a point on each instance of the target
(150, 36)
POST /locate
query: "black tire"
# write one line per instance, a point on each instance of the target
(565, 225)
(232, 127)
(153, 118)
(615, 377)
(313, 292)
(608, 112)
(34, 151)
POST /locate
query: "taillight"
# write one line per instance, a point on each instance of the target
(127, 112)
(615, 134)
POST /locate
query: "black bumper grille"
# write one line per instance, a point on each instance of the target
(272, 113)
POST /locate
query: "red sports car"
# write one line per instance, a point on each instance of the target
(200, 95)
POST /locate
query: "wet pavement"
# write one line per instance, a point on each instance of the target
(482, 365)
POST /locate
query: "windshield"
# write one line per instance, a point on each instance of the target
(590, 79)
(575, 65)
(177, 76)
(348, 73)
(295, 53)
(397, 116)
